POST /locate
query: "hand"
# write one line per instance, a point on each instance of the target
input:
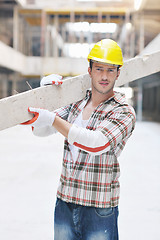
(42, 118)
(51, 79)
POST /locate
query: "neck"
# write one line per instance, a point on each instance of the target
(98, 98)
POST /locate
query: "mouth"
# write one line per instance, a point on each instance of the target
(104, 83)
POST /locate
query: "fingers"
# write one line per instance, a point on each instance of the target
(51, 79)
(35, 111)
(29, 122)
(57, 82)
(41, 118)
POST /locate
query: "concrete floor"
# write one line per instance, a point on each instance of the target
(29, 173)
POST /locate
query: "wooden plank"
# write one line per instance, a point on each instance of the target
(13, 110)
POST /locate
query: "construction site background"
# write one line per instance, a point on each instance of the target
(38, 38)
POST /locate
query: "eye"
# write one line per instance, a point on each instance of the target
(111, 70)
(99, 69)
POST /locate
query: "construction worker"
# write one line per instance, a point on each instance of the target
(96, 130)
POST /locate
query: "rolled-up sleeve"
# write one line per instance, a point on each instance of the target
(118, 126)
(114, 129)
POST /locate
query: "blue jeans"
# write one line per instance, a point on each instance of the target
(75, 222)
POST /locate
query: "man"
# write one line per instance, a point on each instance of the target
(96, 130)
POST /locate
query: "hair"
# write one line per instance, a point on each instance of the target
(91, 64)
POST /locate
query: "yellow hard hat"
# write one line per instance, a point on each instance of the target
(106, 51)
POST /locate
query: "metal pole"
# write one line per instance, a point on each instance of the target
(139, 100)
(141, 40)
(43, 23)
(15, 29)
(55, 43)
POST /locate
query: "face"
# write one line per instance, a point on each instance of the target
(103, 78)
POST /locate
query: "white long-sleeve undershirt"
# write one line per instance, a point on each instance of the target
(93, 142)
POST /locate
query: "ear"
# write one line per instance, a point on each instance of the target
(89, 71)
(118, 73)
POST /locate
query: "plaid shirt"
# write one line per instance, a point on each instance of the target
(93, 179)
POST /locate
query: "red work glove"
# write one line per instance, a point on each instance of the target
(51, 79)
(42, 118)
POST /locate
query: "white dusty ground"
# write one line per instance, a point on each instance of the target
(30, 169)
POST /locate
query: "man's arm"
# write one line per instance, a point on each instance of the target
(113, 131)
(62, 126)
(93, 142)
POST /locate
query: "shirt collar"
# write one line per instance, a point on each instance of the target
(118, 97)
(88, 94)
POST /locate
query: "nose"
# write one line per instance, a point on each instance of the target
(104, 75)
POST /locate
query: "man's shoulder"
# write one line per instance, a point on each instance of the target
(120, 98)
(122, 104)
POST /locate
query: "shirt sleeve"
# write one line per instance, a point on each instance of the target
(113, 130)
(63, 112)
(119, 126)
